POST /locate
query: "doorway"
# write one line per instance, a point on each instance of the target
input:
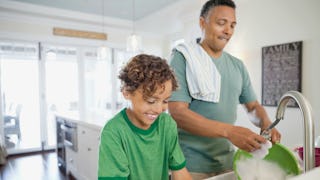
(20, 97)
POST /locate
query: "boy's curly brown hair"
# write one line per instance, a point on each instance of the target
(147, 71)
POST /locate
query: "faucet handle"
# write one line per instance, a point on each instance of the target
(266, 134)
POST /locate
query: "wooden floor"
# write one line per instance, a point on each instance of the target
(36, 166)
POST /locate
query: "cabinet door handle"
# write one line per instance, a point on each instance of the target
(89, 149)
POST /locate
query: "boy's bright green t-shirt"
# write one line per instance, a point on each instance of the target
(128, 152)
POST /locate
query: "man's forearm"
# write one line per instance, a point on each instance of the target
(195, 123)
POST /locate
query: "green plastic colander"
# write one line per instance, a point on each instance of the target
(278, 154)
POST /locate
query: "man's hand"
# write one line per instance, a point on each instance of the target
(258, 112)
(274, 135)
(244, 138)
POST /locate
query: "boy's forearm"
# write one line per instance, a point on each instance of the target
(181, 174)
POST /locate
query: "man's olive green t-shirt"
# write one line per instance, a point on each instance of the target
(204, 154)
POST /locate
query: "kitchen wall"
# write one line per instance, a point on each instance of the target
(269, 22)
(263, 23)
(260, 23)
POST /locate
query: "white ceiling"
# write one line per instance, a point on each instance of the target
(122, 9)
(153, 17)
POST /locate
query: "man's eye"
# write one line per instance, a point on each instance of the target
(221, 23)
(233, 25)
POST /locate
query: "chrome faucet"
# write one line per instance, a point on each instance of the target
(308, 124)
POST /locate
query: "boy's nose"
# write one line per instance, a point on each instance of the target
(159, 108)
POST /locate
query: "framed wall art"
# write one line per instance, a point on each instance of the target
(281, 71)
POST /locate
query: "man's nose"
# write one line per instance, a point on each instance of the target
(228, 30)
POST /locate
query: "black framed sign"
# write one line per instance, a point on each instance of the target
(281, 71)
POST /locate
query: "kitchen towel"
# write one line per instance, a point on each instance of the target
(202, 75)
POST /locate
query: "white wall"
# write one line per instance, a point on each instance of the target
(268, 22)
(263, 23)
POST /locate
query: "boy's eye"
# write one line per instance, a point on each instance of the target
(151, 101)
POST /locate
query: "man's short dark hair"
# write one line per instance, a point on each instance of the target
(213, 3)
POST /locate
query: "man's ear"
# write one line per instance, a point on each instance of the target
(202, 22)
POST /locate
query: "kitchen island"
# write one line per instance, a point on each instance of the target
(81, 154)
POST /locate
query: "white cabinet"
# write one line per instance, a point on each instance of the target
(72, 162)
(83, 164)
(88, 152)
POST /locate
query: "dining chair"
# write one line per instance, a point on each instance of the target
(12, 121)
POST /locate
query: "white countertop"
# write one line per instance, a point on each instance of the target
(310, 175)
(225, 176)
(94, 122)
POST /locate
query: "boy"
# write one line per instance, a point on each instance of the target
(141, 142)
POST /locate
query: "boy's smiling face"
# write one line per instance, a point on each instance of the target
(145, 110)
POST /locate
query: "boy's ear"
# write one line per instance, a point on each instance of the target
(125, 94)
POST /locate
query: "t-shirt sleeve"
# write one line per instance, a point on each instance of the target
(178, 64)
(113, 163)
(176, 159)
(247, 93)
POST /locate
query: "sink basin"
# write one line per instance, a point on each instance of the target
(225, 176)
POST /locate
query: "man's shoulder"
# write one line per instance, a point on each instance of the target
(176, 54)
(177, 59)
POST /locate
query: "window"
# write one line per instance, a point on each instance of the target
(72, 80)
(98, 85)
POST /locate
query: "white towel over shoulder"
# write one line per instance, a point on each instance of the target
(202, 75)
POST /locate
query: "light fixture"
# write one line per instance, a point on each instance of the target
(102, 50)
(133, 41)
(51, 55)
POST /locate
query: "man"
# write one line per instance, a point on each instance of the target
(206, 117)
